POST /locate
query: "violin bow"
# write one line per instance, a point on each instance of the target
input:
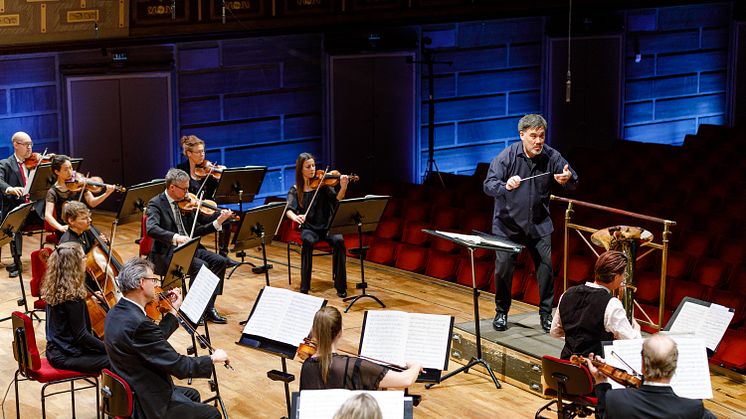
(313, 198)
(110, 253)
(204, 181)
(196, 214)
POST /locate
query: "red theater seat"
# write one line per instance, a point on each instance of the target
(382, 251)
(416, 211)
(731, 300)
(414, 235)
(442, 265)
(393, 208)
(737, 280)
(696, 244)
(711, 272)
(732, 251)
(580, 269)
(411, 258)
(445, 218)
(677, 290)
(484, 273)
(679, 265)
(389, 228)
(442, 197)
(730, 353)
(648, 287)
(444, 245)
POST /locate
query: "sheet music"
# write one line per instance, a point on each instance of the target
(323, 404)
(385, 336)
(283, 315)
(427, 339)
(199, 294)
(708, 323)
(398, 337)
(692, 377)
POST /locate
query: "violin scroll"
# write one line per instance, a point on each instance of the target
(330, 179)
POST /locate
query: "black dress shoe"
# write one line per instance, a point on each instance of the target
(500, 323)
(342, 294)
(13, 274)
(546, 322)
(213, 316)
(12, 267)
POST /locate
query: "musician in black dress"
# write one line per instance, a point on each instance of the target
(313, 218)
(59, 193)
(70, 343)
(328, 370)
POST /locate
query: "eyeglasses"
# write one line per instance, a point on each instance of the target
(29, 144)
(177, 186)
(155, 280)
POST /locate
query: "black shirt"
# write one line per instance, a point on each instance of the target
(322, 209)
(344, 372)
(524, 211)
(86, 239)
(69, 330)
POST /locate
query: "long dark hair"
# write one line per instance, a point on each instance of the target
(299, 181)
(57, 162)
(327, 323)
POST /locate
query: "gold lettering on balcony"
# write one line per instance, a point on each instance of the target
(10, 20)
(308, 2)
(159, 10)
(78, 16)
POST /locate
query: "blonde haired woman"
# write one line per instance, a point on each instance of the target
(194, 149)
(326, 369)
(70, 343)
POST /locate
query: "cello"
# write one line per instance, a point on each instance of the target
(103, 264)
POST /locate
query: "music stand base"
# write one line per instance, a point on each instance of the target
(354, 299)
(465, 368)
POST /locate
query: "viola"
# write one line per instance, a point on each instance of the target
(619, 375)
(36, 159)
(206, 168)
(329, 178)
(159, 306)
(208, 208)
(94, 184)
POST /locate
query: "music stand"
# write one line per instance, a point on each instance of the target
(257, 228)
(136, 200)
(239, 185)
(43, 178)
(359, 215)
(480, 241)
(11, 226)
(178, 268)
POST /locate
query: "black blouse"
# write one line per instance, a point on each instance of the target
(344, 372)
(322, 209)
(69, 330)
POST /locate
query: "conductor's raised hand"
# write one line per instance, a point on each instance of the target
(513, 182)
(563, 177)
(224, 215)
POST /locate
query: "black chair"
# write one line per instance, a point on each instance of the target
(571, 385)
(118, 399)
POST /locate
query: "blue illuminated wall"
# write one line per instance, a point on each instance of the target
(494, 80)
(29, 101)
(254, 101)
(681, 79)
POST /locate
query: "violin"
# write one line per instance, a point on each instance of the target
(208, 208)
(36, 159)
(329, 178)
(160, 305)
(206, 168)
(94, 184)
(619, 375)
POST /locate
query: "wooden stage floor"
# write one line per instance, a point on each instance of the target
(247, 391)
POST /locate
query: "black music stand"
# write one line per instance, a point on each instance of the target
(43, 179)
(359, 215)
(472, 242)
(12, 225)
(257, 228)
(178, 268)
(136, 199)
(236, 186)
(214, 385)
(274, 347)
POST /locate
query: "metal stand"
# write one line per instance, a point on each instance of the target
(242, 253)
(286, 378)
(214, 385)
(478, 360)
(21, 301)
(362, 284)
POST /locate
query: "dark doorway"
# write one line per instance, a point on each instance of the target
(372, 124)
(121, 127)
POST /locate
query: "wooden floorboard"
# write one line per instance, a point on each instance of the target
(247, 391)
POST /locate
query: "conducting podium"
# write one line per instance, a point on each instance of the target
(472, 242)
(359, 215)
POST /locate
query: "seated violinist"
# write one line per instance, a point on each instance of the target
(169, 228)
(59, 193)
(314, 219)
(328, 370)
(197, 167)
(70, 343)
(588, 314)
(655, 398)
(140, 352)
(77, 216)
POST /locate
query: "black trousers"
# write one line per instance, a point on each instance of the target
(215, 263)
(88, 362)
(339, 258)
(541, 253)
(185, 404)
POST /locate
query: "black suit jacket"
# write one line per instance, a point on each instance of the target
(161, 226)
(140, 353)
(10, 176)
(648, 402)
